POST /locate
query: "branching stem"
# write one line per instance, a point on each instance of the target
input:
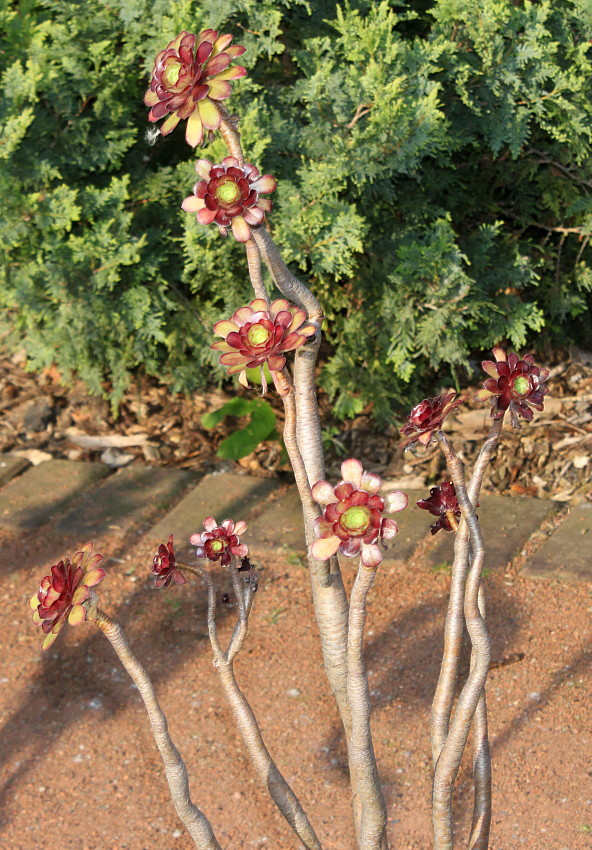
(280, 791)
(449, 760)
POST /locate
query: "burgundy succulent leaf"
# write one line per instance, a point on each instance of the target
(513, 384)
(259, 334)
(220, 542)
(352, 522)
(189, 76)
(427, 417)
(164, 565)
(62, 593)
(442, 502)
(228, 195)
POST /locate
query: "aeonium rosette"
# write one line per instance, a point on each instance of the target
(220, 542)
(442, 503)
(62, 593)
(189, 76)
(352, 522)
(228, 195)
(164, 565)
(259, 334)
(427, 417)
(513, 385)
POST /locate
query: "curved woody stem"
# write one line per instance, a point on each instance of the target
(329, 597)
(372, 823)
(454, 628)
(280, 791)
(451, 754)
(196, 823)
(254, 263)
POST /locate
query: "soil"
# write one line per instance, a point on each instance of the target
(80, 771)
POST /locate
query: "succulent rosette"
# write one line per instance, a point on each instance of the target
(442, 502)
(514, 384)
(259, 334)
(189, 76)
(62, 593)
(352, 522)
(427, 417)
(220, 542)
(228, 195)
(164, 565)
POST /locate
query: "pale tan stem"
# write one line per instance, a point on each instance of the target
(453, 635)
(308, 423)
(286, 282)
(230, 135)
(479, 839)
(196, 823)
(278, 788)
(454, 628)
(255, 273)
(329, 597)
(450, 757)
(372, 829)
(242, 626)
(281, 793)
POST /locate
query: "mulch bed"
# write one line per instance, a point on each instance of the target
(41, 418)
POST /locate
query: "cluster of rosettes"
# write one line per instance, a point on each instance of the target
(442, 502)
(256, 335)
(513, 385)
(189, 75)
(62, 593)
(352, 522)
(220, 542)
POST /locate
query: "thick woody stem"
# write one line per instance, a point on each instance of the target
(481, 825)
(372, 826)
(453, 634)
(254, 263)
(329, 597)
(281, 793)
(278, 788)
(230, 134)
(308, 424)
(330, 600)
(450, 757)
(286, 282)
(481, 750)
(453, 631)
(196, 823)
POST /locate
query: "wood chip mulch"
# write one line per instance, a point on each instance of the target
(41, 418)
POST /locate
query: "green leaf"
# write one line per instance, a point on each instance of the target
(245, 440)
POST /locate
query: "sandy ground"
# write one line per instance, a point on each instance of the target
(79, 769)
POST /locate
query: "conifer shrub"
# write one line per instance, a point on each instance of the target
(434, 186)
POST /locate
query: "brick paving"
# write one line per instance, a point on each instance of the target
(83, 498)
(506, 523)
(39, 494)
(566, 555)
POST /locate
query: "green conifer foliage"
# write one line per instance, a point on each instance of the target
(434, 185)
